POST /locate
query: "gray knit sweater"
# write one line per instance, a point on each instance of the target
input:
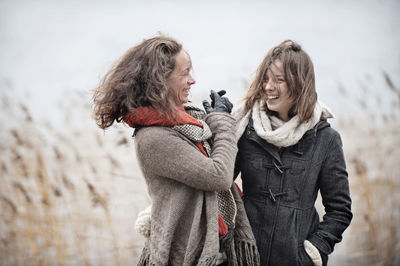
(182, 184)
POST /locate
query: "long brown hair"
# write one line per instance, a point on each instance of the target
(137, 79)
(299, 76)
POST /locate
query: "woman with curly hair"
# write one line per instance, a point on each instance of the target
(186, 155)
(287, 154)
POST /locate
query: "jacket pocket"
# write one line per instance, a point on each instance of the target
(303, 258)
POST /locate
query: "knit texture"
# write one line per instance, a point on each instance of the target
(192, 125)
(226, 203)
(194, 132)
(143, 222)
(274, 130)
(182, 184)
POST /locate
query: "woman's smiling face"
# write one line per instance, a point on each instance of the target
(181, 78)
(276, 90)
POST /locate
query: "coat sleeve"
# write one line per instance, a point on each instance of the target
(334, 187)
(237, 169)
(166, 153)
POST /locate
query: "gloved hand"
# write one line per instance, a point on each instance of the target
(218, 103)
(313, 253)
(220, 93)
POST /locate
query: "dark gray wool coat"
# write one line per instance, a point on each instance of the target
(280, 187)
(182, 184)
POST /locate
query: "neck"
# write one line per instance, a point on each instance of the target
(284, 117)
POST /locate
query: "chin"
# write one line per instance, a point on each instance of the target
(271, 108)
(183, 101)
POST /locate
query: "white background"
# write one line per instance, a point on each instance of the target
(50, 48)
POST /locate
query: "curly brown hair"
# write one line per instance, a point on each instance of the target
(299, 76)
(137, 79)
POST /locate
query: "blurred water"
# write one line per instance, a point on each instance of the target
(49, 47)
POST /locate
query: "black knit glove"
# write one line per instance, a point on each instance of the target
(218, 103)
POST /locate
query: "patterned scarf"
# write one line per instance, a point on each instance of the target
(189, 122)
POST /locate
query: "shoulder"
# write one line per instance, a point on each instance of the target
(154, 131)
(156, 143)
(155, 135)
(328, 134)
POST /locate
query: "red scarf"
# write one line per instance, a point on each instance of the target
(149, 116)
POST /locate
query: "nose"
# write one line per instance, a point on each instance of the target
(269, 85)
(191, 80)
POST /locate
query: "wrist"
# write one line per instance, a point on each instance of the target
(313, 253)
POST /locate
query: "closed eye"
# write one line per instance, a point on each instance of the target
(186, 71)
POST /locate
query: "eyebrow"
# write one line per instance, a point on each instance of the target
(188, 68)
(276, 75)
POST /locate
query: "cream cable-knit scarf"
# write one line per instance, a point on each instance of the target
(274, 130)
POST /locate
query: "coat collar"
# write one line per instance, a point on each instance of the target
(274, 151)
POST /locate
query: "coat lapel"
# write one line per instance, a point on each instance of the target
(271, 149)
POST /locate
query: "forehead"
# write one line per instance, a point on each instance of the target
(182, 61)
(276, 68)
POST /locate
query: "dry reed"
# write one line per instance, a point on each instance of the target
(70, 195)
(60, 204)
(370, 141)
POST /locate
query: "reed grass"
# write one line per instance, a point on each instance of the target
(70, 195)
(370, 141)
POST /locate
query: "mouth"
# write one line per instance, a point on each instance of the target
(272, 97)
(186, 92)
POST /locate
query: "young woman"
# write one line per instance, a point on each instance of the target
(287, 153)
(197, 217)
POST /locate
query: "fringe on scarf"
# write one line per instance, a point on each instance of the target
(211, 261)
(243, 249)
(144, 259)
(243, 253)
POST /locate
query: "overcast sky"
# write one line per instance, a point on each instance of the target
(48, 47)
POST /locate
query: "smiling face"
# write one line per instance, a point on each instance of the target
(276, 90)
(181, 79)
